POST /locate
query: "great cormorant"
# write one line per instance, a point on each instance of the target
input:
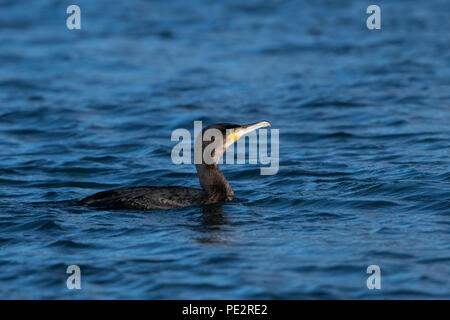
(215, 187)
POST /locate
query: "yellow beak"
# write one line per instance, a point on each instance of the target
(242, 131)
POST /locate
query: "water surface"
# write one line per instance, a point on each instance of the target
(364, 148)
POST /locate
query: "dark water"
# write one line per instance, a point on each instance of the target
(364, 148)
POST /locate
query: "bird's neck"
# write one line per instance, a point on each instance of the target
(214, 182)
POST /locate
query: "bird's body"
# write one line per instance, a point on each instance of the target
(147, 198)
(215, 187)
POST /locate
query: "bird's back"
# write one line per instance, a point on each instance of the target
(146, 198)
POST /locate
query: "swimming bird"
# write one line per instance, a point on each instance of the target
(214, 186)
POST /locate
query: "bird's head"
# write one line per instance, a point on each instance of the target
(216, 138)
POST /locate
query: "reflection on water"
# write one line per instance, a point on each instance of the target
(212, 220)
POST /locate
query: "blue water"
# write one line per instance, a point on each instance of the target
(364, 148)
